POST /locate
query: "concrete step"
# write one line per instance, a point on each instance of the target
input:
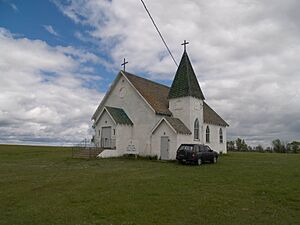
(86, 153)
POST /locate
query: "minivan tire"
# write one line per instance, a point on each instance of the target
(214, 160)
(199, 162)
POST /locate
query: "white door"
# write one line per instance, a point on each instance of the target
(164, 148)
(106, 137)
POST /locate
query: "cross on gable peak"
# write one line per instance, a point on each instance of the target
(124, 64)
(185, 43)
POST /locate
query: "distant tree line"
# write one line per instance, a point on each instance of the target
(239, 145)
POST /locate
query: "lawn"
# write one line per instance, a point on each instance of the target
(44, 185)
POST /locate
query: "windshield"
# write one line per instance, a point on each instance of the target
(186, 147)
(207, 148)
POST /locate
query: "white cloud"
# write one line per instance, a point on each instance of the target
(51, 30)
(246, 53)
(43, 98)
(14, 7)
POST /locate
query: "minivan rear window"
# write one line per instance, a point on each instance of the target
(186, 147)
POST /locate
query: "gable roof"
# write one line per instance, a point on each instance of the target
(154, 93)
(185, 82)
(118, 115)
(176, 125)
(210, 116)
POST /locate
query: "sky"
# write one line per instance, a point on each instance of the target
(58, 58)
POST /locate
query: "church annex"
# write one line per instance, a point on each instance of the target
(139, 116)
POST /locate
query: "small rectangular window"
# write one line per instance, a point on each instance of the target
(114, 131)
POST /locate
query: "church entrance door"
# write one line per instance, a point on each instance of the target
(106, 137)
(164, 148)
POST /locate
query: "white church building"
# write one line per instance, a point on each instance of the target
(139, 116)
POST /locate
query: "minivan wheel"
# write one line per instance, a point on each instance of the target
(214, 159)
(199, 162)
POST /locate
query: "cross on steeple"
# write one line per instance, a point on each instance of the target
(184, 44)
(123, 64)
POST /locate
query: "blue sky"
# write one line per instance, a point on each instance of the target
(30, 18)
(58, 59)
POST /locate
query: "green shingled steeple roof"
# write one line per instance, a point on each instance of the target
(185, 82)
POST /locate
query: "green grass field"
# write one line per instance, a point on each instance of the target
(43, 185)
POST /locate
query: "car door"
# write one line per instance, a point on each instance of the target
(209, 153)
(197, 150)
(202, 152)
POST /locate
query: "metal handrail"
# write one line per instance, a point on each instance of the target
(86, 146)
(109, 143)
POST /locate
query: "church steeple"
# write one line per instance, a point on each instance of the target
(185, 82)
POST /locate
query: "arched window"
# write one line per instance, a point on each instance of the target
(221, 135)
(196, 129)
(207, 134)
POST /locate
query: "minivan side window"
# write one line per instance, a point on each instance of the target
(207, 148)
(186, 147)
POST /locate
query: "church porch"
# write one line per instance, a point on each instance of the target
(113, 130)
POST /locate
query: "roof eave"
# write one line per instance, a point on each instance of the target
(101, 105)
(217, 124)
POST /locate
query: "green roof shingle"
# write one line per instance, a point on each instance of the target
(178, 125)
(185, 82)
(119, 115)
(156, 95)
